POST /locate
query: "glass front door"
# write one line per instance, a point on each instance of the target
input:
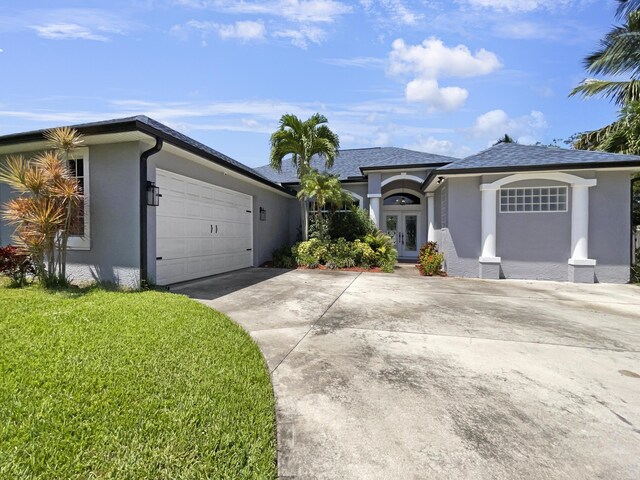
(403, 230)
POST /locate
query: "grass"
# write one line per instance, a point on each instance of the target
(101, 384)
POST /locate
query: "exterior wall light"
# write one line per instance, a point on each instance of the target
(440, 180)
(263, 214)
(153, 194)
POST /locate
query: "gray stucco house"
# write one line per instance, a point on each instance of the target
(511, 211)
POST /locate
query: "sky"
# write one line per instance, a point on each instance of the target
(441, 77)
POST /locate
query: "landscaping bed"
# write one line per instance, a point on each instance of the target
(106, 384)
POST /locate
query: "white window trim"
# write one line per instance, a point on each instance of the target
(77, 242)
(566, 202)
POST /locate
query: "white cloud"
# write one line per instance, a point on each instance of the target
(68, 31)
(360, 62)
(302, 37)
(391, 11)
(431, 60)
(243, 30)
(313, 11)
(439, 147)
(428, 91)
(495, 123)
(520, 5)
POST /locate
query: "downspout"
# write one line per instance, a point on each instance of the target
(144, 263)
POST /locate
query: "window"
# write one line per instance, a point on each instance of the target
(401, 199)
(79, 233)
(345, 207)
(533, 199)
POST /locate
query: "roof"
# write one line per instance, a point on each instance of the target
(514, 156)
(154, 128)
(350, 163)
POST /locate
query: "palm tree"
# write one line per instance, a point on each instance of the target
(325, 190)
(302, 140)
(619, 55)
(505, 139)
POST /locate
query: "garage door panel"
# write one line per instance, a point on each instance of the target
(187, 243)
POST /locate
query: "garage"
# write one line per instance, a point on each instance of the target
(201, 229)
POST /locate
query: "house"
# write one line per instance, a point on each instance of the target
(511, 211)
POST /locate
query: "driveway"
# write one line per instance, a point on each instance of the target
(386, 376)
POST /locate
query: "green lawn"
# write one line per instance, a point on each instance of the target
(105, 384)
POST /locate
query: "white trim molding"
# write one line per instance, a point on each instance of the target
(402, 176)
(573, 180)
(374, 195)
(356, 196)
(431, 229)
(76, 242)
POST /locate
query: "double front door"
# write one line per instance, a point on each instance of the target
(402, 227)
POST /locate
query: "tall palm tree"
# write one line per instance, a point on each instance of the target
(301, 140)
(325, 190)
(618, 56)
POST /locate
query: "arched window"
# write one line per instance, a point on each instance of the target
(401, 199)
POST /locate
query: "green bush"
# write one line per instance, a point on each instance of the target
(635, 269)
(386, 255)
(311, 253)
(430, 259)
(350, 225)
(365, 257)
(283, 257)
(340, 254)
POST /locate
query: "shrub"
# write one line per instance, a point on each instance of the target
(635, 269)
(364, 254)
(283, 257)
(310, 253)
(350, 225)
(386, 255)
(16, 264)
(430, 259)
(340, 254)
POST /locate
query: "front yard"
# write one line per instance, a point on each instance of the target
(104, 384)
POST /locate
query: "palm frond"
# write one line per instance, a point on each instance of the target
(625, 7)
(620, 92)
(64, 139)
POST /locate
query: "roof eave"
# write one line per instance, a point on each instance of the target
(550, 166)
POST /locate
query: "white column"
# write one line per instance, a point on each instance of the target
(489, 196)
(374, 208)
(580, 222)
(431, 229)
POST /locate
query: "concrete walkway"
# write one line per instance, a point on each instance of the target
(383, 376)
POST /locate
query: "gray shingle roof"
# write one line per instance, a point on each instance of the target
(515, 155)
(349, 162)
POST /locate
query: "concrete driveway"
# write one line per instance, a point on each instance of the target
(383, 376)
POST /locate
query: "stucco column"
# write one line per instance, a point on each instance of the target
(431, 229)
(489, 197)
(580, 222)
(374, 208)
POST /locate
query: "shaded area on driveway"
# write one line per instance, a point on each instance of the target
(389, 376)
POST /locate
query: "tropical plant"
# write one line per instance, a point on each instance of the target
(505, 139)
(351, 225)
(283, 257)
(618, 56)
(430, 259)
(325, 191)
(16, 264)
(302, 140)
(46, 207)
(621, 136)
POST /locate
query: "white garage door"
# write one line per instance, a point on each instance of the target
(201, 229)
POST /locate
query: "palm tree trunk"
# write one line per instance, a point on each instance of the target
(305, 219)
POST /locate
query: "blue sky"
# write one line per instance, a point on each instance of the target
(444, 77)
